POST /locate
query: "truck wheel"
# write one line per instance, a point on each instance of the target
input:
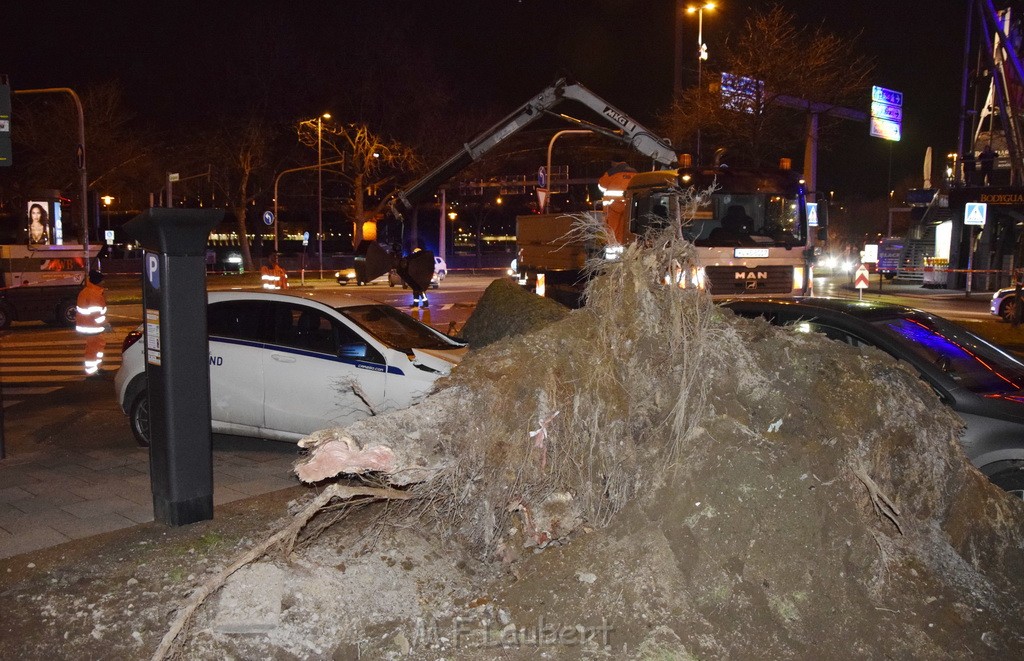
(6, 316)
(138, 418)
(66, 313)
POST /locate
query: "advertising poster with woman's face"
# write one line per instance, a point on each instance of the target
(38, 224)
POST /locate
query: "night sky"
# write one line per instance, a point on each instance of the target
(178, 60)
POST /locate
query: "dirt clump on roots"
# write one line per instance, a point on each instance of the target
(507, 310)
(647, 477)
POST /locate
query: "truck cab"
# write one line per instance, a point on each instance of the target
(41, 283)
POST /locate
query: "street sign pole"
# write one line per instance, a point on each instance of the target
(970, 262)
(975, 214)
(861, 282)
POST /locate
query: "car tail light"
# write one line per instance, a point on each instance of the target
(131, 338)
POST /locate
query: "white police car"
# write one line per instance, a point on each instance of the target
(285, 365)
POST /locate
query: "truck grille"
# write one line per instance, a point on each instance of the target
(753, 280)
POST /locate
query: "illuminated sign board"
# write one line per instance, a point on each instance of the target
(884, 128)
(886, 113)
(812, 214)
(890, 97)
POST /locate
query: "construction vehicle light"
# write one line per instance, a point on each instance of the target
(613, 253)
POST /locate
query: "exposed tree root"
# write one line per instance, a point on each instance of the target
(283, 538)
(883, 506)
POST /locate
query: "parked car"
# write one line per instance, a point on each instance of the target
(285, 365)
(982, 383)
(345, 276)
(1004, 303)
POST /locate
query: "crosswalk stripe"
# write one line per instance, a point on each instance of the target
(45, 368)
(45, 360)
(41, 367)
(43, 390)
(39, 346)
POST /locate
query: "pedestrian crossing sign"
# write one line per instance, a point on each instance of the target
(974, 213)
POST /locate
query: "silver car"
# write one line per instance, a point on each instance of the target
(982, 383)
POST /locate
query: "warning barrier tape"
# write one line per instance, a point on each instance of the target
(934, 269)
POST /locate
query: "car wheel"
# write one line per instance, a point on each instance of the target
(66, 313)
(6, 316)
(1010, 479)
(138, 418)
(1009, 308)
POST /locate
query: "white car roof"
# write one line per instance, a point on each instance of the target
(329, 297)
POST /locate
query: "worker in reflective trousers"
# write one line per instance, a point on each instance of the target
(91, 322)
(272, 275)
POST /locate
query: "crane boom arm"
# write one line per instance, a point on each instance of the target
(626, 129)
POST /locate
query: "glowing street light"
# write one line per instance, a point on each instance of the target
(107, 201)
(702, 54)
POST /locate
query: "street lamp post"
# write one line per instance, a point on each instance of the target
(320, 189)
(702, 54)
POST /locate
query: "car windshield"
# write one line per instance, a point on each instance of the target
(970, 361)
(398, 331)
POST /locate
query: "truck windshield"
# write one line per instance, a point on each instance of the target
(758, 219)
(744, 211)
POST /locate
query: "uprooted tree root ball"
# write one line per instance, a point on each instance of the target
(652, 477)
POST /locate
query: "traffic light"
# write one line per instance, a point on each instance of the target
(5, 121)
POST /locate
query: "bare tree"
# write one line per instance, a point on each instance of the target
(367, 162)
(771, 57)
(119, 157)
(240, 152)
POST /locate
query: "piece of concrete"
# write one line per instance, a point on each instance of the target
(250, 602)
